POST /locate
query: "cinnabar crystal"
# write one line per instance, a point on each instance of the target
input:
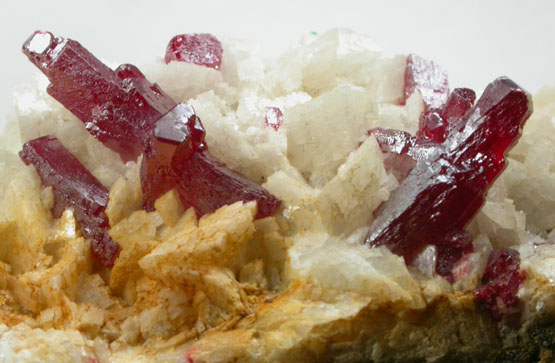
(207, 184)
(177, 156)
(500, 282)
(435, 124)
(119, 107)
(179, 128)
(74, 187)
(447, 186)
(402, 149)
(428, 78)
(450, 249)
(201, 49)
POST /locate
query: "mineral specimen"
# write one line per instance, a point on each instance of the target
(201, 49)
(119, 107)
(74, 187)
(446, 187)
(130, 115)
(500, 282)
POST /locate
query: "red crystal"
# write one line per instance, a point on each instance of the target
(74, 187)
(458, 103)
(447, 186)
(428, 78)
(177, 156)
(500, 282)
(179, 128)
(118, 108)
(274, 117)
(450, 249)
(435, 124)
(201, 49)
(207, 184)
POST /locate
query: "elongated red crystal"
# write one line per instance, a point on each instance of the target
(177, 156)
(201, 49)
(427, 78)
(500, 282)
(179, 128)
(74, 187)
(207, 184)
(119, 107)
(447, 186)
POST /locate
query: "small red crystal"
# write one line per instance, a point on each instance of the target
(74, 187)
(435, 124)
(201, 49)
(427, 78)
(450, 249)
(273, 118)
(501, 281)
(447, 186)
(118, 108)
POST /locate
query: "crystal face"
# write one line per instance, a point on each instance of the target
(428, 78)
(119, 107)
(500, 282)
(201, 49)
(74, 187)
(447, 186)
(180, 127)
(207, 184)
(435, 124)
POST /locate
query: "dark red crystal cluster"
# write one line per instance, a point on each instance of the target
(131, 116)
(119, 107)
(75, 187)
(448, 167)
(500, 282)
